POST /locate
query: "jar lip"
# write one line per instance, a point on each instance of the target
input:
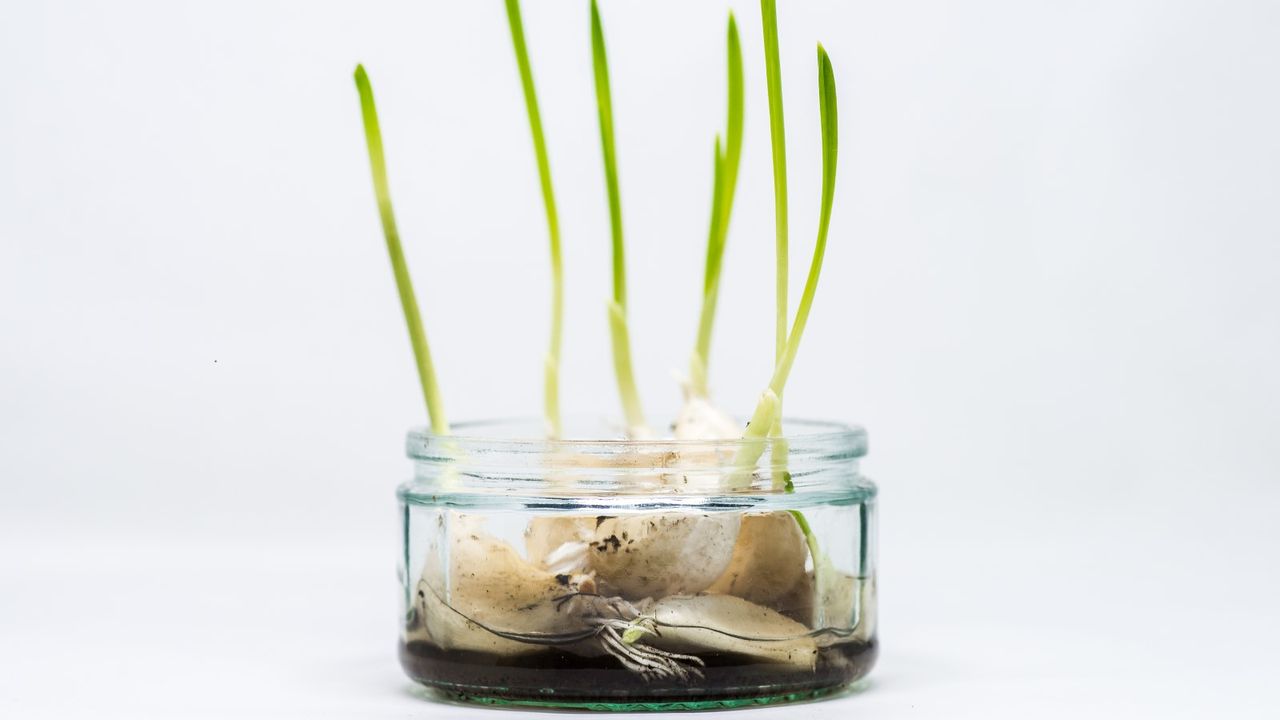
(520, 436)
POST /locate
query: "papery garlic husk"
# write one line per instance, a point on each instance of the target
(489, 587)
(797, 603)
(700, 419)
(768, 559)
(847, 603)
(558, 543)
(866, 626)
(837, 600)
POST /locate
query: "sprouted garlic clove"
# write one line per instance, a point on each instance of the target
(724, 623)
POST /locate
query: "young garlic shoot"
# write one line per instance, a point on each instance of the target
(551, 363)
(618, 331)
(766, 412)
(724, 184)
(778, 143)
(408, 301)
(702, 344)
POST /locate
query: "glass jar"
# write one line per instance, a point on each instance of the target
(637, 574)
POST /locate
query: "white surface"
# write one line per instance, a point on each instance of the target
(1050, 294)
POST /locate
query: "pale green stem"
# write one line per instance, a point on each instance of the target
(551, 392)
(778, 142)
(622, 368)
(702, 346)
(810, 539)
(412, 316)
(618, 308)
(749, 452)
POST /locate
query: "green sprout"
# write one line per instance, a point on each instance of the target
(621, 340)
(551, 388)
(766, 412)
(778, 142)
(412, 316)
(782, 269)
(766, 419)
(724, 184)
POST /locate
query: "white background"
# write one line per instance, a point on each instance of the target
(1050, 294)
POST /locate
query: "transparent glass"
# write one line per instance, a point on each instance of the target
(625, 574)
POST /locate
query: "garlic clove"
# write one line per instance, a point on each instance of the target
(558, 543)
(487, 589)
(768, 559)
(659, 554)
(724, 623)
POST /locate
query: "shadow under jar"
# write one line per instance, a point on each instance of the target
(637, 574)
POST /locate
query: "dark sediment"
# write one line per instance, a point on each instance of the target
(557, 676)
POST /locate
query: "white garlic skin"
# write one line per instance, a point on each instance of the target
(488, 583)
(558, 542)
(768, 559)
(659, 554)
(700, 419)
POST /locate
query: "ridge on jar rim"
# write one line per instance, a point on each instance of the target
(510, 456)
(590, 436)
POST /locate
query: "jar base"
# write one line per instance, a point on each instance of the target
(642, 706)
(555, 679)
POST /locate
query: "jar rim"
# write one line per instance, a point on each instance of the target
(519, 435)
(506, 459)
